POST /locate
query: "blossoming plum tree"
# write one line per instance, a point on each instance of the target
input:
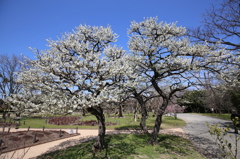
(83, 70)
(168, 59)
(80, 69)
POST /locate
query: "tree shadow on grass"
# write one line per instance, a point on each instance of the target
(70, 148)
(168, 144)
(128, 127)
(117, 146)
(173, 144)
(132, 127)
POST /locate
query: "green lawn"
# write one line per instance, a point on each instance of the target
(132, 146)
(215, 115)
(126, 122)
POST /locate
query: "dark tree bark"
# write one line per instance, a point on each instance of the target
(158, 123)
(4, 115)
(83, 112)
(120, 110)
(18, 114)
(166, 96)
(142, 100)
(3, 106)
(143, 119)
(154, 136)
(135, 111)
(98, 112)
(143, 112)
(108, 113)
(144, 115)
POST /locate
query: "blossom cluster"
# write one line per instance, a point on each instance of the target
(84, 69)
(79, 70)
(167, 55)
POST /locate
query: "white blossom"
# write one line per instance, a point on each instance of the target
(167, 56)
(80, 69)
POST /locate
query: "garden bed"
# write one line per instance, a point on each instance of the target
(23, 139)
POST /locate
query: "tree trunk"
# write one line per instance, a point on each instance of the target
(144, 118)
(153, 140)
(153, 113)
(135, 112)
(18, 114)
(108, 113)
(143, 112)
(156, 129)
(4, 115)
(135, 116)
(175, 115)
(120, 110)
(219, 111)
(98, 112)
(83, 112)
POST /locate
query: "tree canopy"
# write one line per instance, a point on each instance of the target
(83, 69)
(79, 70)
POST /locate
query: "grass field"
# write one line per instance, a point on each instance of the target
(131, 146)
(126, 122)
(134, 146)
(215, 115)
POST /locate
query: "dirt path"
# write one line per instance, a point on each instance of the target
(197, 131)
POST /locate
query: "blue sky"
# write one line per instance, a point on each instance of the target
(28, 23)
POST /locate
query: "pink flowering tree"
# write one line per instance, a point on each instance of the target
(174, 109)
